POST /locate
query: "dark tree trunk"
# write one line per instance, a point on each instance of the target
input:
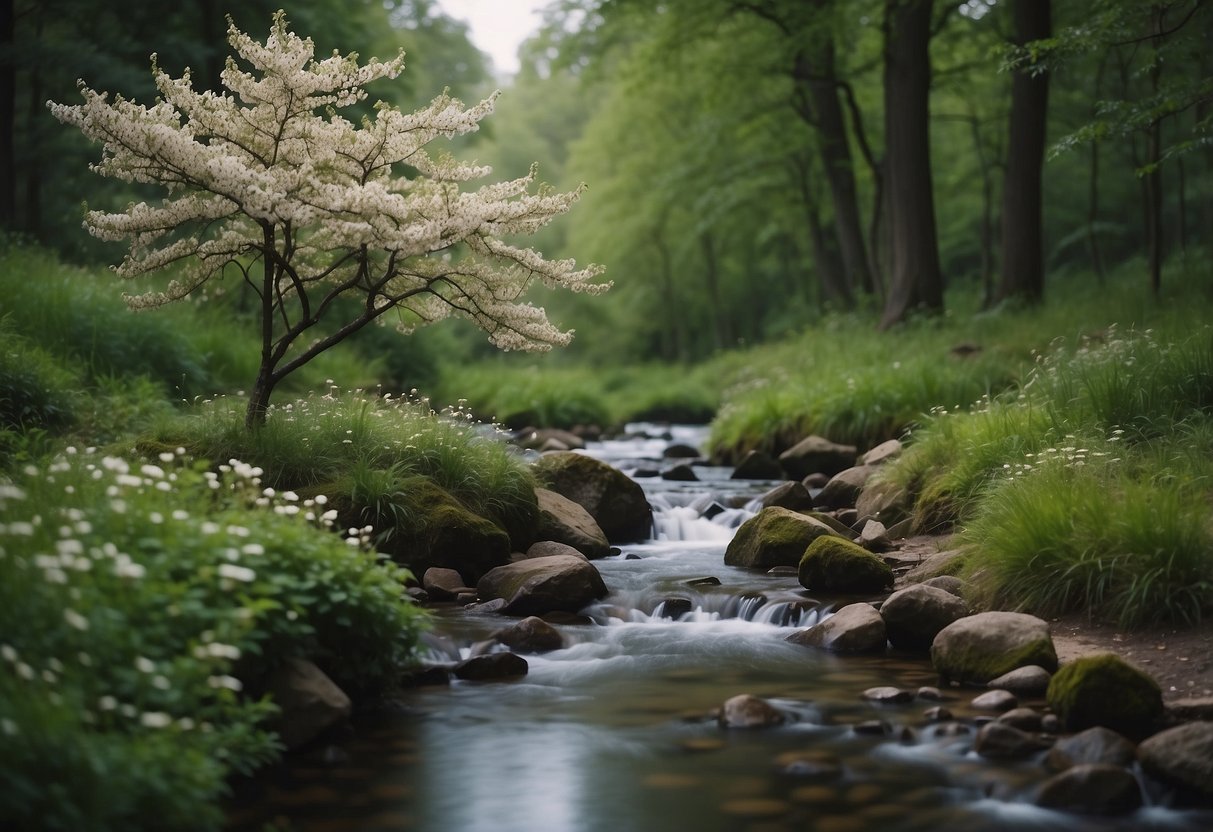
(834, 287)
(914, 250)
(8, 118)
(824, 113)
(1022, 233)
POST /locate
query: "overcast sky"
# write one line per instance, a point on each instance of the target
(498, 26)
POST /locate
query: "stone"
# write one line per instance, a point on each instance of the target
(443, 584)
(873, 728)
(706, 580)
(423, 677)
(982, 647)
(874, 537)
(1025, 719)
(541, 439)
(539, 585)
(757, 465)
(549, 548)
(747, 711)
(1000, 741)
(680, 473)
(856, 628)
(840, 528)
(679, 450)
(844, 487)
(809, 765)
(935, 565)
(930, 693)
(673, 608)
(1094, 745)
(916, 614)
(530, 635)
(563, 521)
(1104, 689)
(491, 666)
(816, 454)
(1092, 789)
(1181, 756)
(309, 702)
(790, 495)
(994, 700)
(773, 537)
(882, 453)
(888, 695)
(883, 500)
(815, 480)
(937, 714)
(615, 501)
(1032, 680)
(832, 564)
(948, 583)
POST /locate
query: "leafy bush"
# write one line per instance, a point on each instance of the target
(34, 388)
(141, 607)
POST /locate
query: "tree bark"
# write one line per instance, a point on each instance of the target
(826, 117)
(8, 118)
(1022, 232)
(916, 276)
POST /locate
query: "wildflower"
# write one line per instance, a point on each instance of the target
(75, 619)
(253, 549)
(155, 719)
(8, 727)
(229, 682)
(236, 573)
(145, 665)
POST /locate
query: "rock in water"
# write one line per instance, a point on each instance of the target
(309, 700)
(1092, 789)
(773, 537)
(564, 521)
(1181, 756)
(746, 711)
(832, 564)
(538, 585)
(817, 454)
(615, 501)
(856, 628)
(916, 614)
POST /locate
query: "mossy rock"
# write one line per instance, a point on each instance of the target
(839, 527)
(615, 501)
(1107, 691)
(419, 524)
(982, 647)
(832, 564)
(774, 537)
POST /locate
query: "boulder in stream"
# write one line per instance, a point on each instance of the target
(832, 564)
(916, 614)
(539, 585)
(567, 522)
(856, 628)
(615, 501)
(530, 635)
(1182, 756)
(747, 711)
(757, 465)
(773, 537)
(817, 454)
(1092, 789)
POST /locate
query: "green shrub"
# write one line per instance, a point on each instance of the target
(34, 388)
(141, 606)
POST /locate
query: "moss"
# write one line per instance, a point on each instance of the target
(979, 664)
(774, 537)
(1108, 691)
(831, 521)
(833, 564)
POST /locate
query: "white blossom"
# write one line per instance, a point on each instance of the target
(268, 170)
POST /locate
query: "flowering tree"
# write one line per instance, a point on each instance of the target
(308, 207)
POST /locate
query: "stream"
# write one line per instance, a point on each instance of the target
(615, 732)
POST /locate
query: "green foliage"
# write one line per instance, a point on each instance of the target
(34, 388)
(319, 440)
(142, 606)
(533, 395)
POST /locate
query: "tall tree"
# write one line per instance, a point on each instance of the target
(1022, 243)
(916, 279)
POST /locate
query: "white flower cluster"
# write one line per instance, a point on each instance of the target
(270, 170)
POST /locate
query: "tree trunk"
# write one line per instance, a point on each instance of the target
(1093, 189)
(916, 277)
(1022, 233)
(1153, 179)
(8, 118)
(821, 85)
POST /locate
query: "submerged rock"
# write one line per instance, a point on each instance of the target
(747, 711)
(1092, 789)
(1181, 756)
(1000, 741)
(491, 666)
(984, 646)
(1105, 690)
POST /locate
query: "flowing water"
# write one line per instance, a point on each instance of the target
(616, 730)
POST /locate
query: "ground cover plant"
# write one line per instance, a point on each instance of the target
(142, 605)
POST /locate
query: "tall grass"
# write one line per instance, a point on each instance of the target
(325, 438)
